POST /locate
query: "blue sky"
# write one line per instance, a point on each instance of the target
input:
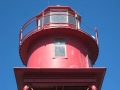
(103, 14)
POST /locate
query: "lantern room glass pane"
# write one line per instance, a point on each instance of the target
(58, 17)
(72, 20)
(59, 47)
(46, 19)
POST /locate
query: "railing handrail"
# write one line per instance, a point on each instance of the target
(35, 18)
(24, 26)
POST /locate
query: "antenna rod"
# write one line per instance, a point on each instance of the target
(48, 2)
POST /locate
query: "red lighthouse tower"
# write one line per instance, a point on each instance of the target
(58, 55)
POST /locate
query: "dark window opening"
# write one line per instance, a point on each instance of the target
(62, 88)
(59, 88)
(46, 88)
(75, 88)
(60, 48)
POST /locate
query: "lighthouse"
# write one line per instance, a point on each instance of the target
(57, 53)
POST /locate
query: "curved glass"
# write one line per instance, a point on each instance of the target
(72, 20)
(47, 18)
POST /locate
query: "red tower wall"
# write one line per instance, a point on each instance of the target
(41, 54)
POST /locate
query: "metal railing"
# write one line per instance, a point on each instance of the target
(23, 28)
(42, 21)
(47, 20)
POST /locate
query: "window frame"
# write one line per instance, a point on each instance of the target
(65, 56)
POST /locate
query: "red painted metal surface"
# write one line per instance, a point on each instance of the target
(42, 77)
(82, 37)
(41, 54)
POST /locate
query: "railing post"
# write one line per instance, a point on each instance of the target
(76, 18)
(96, 32)
(77, 21)
(42, 19)
(21, 36)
